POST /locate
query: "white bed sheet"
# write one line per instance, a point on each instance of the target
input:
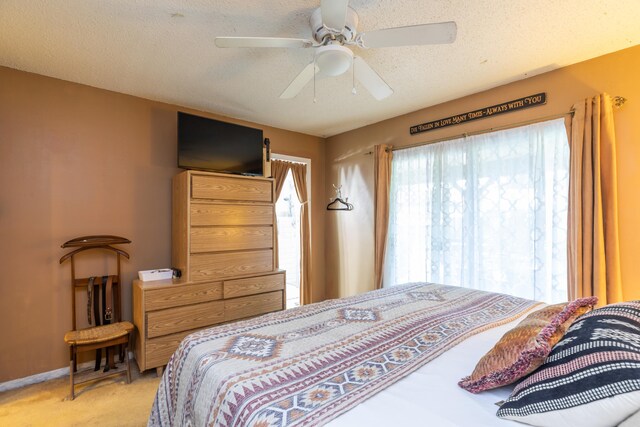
(431, 396)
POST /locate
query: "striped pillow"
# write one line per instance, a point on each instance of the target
(590, 378)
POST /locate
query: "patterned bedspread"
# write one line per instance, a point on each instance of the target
(307, 365)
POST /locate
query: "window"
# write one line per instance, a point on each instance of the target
(487, 212)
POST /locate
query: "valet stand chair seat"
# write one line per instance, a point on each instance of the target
(114, 335)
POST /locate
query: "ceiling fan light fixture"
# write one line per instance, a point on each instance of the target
(333, 60)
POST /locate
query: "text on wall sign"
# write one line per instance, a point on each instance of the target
(505, 107)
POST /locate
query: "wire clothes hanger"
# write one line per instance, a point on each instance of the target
(338, 204)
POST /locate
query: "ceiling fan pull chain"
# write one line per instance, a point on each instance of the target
(314, 79)
(353, 77)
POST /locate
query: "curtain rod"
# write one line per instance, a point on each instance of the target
(618, 101)
(480, 132)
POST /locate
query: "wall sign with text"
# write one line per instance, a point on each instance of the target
(494, 110)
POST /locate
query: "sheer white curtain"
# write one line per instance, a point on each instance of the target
(487, 212)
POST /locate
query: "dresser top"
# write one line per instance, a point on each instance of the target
(172, 283)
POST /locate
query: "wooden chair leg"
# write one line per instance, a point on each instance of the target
(110, 358)
(126, 355)
(72, 368)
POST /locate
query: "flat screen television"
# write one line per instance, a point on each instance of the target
(212, 145)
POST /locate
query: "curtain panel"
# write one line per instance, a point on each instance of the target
(382, 187)
(593, 242)
(299, 173)
(279, 170)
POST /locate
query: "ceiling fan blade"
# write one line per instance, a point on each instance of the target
(261, 42)
(300, 81)
(440, 33)
(370, 79)
(334, 13)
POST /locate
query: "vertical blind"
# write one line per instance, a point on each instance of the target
(486, 212)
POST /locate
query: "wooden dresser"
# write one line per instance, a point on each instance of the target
(223, 242)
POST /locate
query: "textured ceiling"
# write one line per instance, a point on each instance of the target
(163, 50)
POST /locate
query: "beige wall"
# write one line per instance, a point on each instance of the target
(349, 243)
(75, 160)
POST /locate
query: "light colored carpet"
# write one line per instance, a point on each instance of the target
(107, 402)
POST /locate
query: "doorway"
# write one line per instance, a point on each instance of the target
(288, 217)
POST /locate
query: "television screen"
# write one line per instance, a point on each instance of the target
(212, 145)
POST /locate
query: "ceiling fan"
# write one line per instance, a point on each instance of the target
(334, 28)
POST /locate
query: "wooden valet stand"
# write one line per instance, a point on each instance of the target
(109, 332)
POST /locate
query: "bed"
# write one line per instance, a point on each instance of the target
(388, 357)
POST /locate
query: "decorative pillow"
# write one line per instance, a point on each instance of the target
(521, 350)
(591, 377)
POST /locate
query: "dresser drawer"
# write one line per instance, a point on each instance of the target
(159, 350)
(219, 265)
(156, 299)
(170, 320)
(215, 214)
(223, 188)
(238, 308)
(253, 285)
(214, 239)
